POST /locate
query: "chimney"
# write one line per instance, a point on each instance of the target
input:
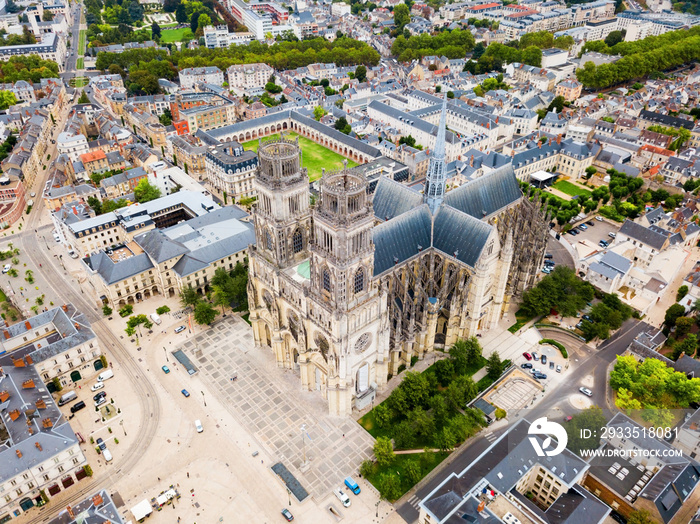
(28, 384)
(77, 326)
(4, 395)
(14, 414)
(97, 500)
(539, 145)
(559, 139)
(27, 324)
(65, 307)
(47, 423)
(6, 333)
(28, 360)
(70, 512)
(19, 453)
(38, 446)
(18, 362)
(40, 404)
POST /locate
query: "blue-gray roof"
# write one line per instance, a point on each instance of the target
(460, 235)
(392, 199)
(402, 238)
(113, 272)
(487, 194)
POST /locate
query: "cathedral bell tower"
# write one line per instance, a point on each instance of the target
(282, 217)
(342, 254)
(436, 179)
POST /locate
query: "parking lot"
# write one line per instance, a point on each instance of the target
(595, 233)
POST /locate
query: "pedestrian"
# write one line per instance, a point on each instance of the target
(158, 479)
(188, 474)
(261, 461)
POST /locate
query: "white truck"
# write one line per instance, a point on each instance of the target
(156, 318)
(105, 375)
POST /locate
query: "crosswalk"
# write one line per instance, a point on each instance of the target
(490, 436)
(414, 501)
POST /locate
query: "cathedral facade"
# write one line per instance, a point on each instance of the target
(350, 289)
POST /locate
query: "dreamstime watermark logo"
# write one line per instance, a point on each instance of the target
(542, 426)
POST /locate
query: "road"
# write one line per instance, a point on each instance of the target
(596, 364)
(46, 265)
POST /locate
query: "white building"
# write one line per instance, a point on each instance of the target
(195, 75)
(219, 36)
(231, 169)
(248, 76)
(72, 144)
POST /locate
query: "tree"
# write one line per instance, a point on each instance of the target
(688, 346)
(412, 471)
(383, 415)
(590, 171)
(625, 400)
(416, 389)
(366, 468)
(614, 37)
(495, 366)
(408, 140)
(682, 292)
(402, 16)
(155, 30)
(145, 192)
(591, 419)
(106, 310)
(166, 118)
(95, 204)
(383, 451)
(444, 370)
(181, 14)
(203, 21)
(204, 313)
(450, 94)
(319, 112)
(194, 22)
(361, 73)
(83, 98)
(683, 325)
(134, 11)
(110, 205)
(162, 310)
(188, 296)
(390, 486)
(7, 99)
(640, 517)
(342, 125)
(47, 16)
(672, 313)
(532, 55)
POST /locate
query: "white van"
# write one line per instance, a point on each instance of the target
(342, 497)
(6, 268)
(107, 455)
(198, 425)
(155, 318)
(105, 375)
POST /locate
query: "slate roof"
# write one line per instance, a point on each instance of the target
(159, 247)
(460, 235)
(643, 234)
(112, 272)
(487, 194)
(401, 238)
(392, 199)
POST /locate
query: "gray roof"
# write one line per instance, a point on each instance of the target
(87, 512)
(392, 199)
(643, 234)
(487, 194)
(113, 272)
(401, 238)
(159, 247)
(460, 235)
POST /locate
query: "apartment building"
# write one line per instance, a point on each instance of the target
(219, 36)
(249, 76)
(192, 76)
(71, 144)
(231, 169)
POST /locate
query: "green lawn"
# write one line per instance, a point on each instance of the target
(314, 156)
(80, 81)
(80, 63)
(81, 41)
(173, 35)
(521, 319)
(571, 189)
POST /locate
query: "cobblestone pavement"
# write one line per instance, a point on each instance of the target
(269, 401)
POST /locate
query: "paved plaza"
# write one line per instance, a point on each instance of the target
(270, 404)
(516, 393)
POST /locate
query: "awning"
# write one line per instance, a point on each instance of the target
(141, 510)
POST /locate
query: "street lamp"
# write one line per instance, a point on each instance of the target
(204, 399)
(289, 494)
(377, 505)
(121, 423)
(166, 354)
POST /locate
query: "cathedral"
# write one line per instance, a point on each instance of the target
(348, 290)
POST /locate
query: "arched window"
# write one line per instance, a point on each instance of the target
(359, 280)
(322, 344)
(327, 280)
(268, 240)
(297, 243)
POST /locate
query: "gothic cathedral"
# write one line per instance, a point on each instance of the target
(349, 289)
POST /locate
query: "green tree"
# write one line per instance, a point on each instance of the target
(682, 292)
(383, 415)
(683, 325)
(412, 471)
(390, 486)
(416, 389)
(402, 16)
(383, 451)
(625, 401)
(672, 313)
(162, 310)
(319, 112)
(495, 366)
(532, 55)
(189, 297)
(126, 310)
(7, 99)
(106, 310)
(640, 517)
(591, 419)
(83, 98)
(204, 21)
(688, 346)
(95, 204)
(361, 73)
(47, 16)
(342, 125)
(614, 37)
(145, 192)
(204, 313)
(444, 370)
(110, 205)
(366, 468)
(166, 118)
(155, 30)
(181, 14)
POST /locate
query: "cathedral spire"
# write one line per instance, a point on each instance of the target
(436, 179)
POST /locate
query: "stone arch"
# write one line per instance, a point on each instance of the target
(267, 337)
(326, 280)
(359, 280)
(269, 240)
(284, 125)
(294, 324)
(247, 135)
(267, 130)
(297, 241)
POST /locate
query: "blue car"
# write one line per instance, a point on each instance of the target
(185, 392)
(165, 369)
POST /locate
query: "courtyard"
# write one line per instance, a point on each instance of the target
(314, 156)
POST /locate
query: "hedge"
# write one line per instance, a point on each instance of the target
(557, 345)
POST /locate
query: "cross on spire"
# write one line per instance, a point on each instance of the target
(436, 179)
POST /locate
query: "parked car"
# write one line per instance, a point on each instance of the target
(527, 356)
(101, 444)
(342, 497)
(535, 356)
(612, 235)
(573, 232)
(546, 270)
(558, 369)
(100, 395)
(165, 369)
(599, 218)
(6, 268)
(587, 318)
(287, 515)
(590, 222)
(586, 391)
(543, 359)
(100, 401)
(539, 376)
(97, 386)
(526, 365)
(198, 426)
(185, 392)
(548, 256)
(551, 364)
(569, 418)
(180, 329)
(583, 226)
